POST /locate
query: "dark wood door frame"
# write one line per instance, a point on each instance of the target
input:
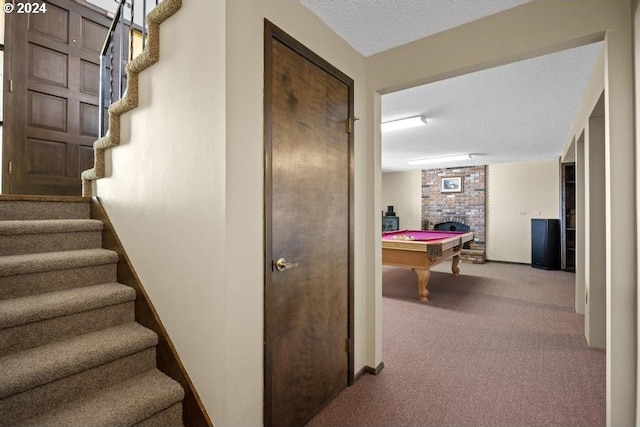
(271, 32)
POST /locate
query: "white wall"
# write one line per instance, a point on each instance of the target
(636, 39)
(594, 231)
(403, 191)
(165, 194)
(620, 208)
(186, 192)
(517, 192)
(108, 5)
(575, 151)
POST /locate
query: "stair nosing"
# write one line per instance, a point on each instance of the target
(43, 198)
(49, 226)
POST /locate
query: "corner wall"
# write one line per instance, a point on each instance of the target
(518, 192)
(403, 191)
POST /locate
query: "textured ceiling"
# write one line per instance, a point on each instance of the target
(373, 26)
(518, 112)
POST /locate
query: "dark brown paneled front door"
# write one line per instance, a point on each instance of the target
(51, 102)
(308, 231)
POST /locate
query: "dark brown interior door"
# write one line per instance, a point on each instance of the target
(51, 105)
(308, 230)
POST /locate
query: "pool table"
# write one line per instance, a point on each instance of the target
(419, 250)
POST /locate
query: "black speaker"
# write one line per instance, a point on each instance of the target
(545, 243)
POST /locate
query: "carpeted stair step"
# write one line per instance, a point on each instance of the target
(36, 236)
(35, 320)
(11, 209)
(12, 265)
(171, 416)
(30, 274)
(28, 369)
(136, 401)
(31, 403)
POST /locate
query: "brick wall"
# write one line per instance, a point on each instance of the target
(467, 207)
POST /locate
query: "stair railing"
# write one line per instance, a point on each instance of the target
(119, 48)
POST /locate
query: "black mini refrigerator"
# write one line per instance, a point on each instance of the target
(545, 243)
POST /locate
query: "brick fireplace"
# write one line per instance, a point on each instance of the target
(466, 206)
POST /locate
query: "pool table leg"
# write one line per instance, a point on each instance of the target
(423, 281)
(454, 265)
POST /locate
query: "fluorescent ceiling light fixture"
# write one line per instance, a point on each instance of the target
(409, 122)
(452, 158)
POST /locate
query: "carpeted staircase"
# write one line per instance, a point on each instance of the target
(71, 353)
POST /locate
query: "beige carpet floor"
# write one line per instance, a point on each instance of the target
(499, 345)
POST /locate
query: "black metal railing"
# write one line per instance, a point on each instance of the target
(120, 47)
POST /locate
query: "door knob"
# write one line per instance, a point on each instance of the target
(282, 264)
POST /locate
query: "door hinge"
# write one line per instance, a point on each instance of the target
(347, 343)
(350, 122)
(10, 167)
(10, 85)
